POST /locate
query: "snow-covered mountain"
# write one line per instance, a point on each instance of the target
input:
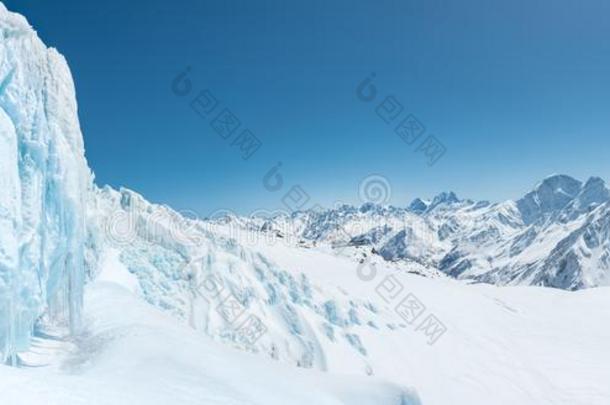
(61, 235)
(554, 236)
(557, 237)
(330, 306)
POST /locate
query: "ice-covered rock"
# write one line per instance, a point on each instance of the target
(444, 198)
(592, 194)
(550, 196)
(418, 206)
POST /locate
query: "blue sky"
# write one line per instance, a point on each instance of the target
(515, 91)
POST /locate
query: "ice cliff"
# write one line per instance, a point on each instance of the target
(44, 179)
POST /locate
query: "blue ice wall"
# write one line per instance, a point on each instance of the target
(44, 180)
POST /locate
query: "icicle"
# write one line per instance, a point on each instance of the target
(9, 352)
(74, 295)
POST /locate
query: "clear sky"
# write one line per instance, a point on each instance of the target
(514, 90)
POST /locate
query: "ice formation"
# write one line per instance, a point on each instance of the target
(44, 180)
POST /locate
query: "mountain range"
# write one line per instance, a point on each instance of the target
(106, 297)
(554, 236)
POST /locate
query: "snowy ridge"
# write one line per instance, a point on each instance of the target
(172, 259)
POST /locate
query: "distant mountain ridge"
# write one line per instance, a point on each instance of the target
(556, 235)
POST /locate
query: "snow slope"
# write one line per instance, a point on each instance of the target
(341, 313)
(504, 345)
(526, 345)
(143, 356)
